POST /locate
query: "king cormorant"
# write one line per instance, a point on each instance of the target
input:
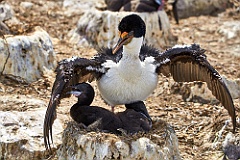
(129, 72)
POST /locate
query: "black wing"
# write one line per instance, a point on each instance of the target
(69, 72)
(188, 64)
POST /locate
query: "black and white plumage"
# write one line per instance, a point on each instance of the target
(129, 72)
(134, 119)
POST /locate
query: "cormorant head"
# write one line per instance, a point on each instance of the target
(131, 26)
(84, 92)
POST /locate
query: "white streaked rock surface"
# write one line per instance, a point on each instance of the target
(21, 132)
(27, 56)
(6, 12)
(78, 144)
(99, 29)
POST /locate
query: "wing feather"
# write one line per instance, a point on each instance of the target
(69, 72)
(188, 64)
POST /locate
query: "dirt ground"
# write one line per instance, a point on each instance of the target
(197, 125)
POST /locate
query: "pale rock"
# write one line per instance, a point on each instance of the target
(231, 147)
(199, 92)
(233, 87)
(20, 102)
(76, 7)
(6, 12)
(230, 30)
(21, 134)
(188, 8)
(21, 127)
(78, 144)
(28, 56)
(26, 5)
(100, 29)
(76, 4)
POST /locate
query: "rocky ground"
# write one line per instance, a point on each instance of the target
(198, 126)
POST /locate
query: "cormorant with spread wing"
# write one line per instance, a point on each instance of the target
(129, 72)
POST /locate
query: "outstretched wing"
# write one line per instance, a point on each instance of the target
(69, 72)
(188, 64)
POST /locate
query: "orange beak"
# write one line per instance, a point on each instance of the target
(125, 38)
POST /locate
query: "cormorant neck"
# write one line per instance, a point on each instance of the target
(132, 49)
(86, 99)
(85, 102)
(129, 66)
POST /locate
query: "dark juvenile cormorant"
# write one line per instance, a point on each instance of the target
(134, 119)
(129, 72)
(82, 112)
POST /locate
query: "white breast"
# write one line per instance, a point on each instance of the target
(128, 81)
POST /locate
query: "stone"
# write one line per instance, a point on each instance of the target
(79, 144)
(188, 8)
(21, 134)
(76, 7)
(27, 56)
(199, 92)
(230, 29)
(230, 148)
(99, 29)
(6, 12)
(26, 5)
(233, 87)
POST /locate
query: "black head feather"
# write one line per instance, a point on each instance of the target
(133, 23)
